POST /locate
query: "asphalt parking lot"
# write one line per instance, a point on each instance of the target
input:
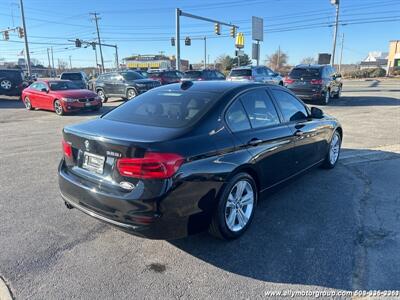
(337, 229)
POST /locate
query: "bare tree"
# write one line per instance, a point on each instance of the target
(277, 61)
(308, 60)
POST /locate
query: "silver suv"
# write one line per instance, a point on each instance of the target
(255, 74)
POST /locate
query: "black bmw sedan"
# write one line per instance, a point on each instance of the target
(188, 157)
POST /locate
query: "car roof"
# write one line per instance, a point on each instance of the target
(219, 86)
(248, 67)
(313, 66)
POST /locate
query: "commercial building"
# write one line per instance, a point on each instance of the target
(375, 59)
(149, 62)
(393, 63)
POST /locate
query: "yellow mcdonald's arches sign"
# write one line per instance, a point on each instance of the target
(239, 40)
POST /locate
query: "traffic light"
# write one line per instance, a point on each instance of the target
(94, 46)
(6, 35)
(78, 43)
(172, 41)
(335, 2)
(21, 32)
(217, 28)
(233, 31)
(187, 41)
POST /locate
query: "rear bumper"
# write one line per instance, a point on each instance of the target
(122, 209)
(309, 94)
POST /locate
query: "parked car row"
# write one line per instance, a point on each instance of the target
(74, 91)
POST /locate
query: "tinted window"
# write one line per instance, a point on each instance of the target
(192, 74)
(240, 72)
(131, 75)
(71, 76)
(62, 85)
(164, 108)
(219, 75)
(306, 73)
(292, 109)
(260, 109)
(236, 117)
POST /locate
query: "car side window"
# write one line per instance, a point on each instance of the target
(236, 117)
(259, 108)
(219, 75)
(292, 109)
(34, 86)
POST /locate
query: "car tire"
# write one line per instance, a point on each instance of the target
(102, 95)
(332, 157)
(28, 104)
(58, 108)
(5, 84)
(338, 94)
(234, 213)
(326, 98)
(131, 93)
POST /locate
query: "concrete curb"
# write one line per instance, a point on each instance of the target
(5, 293)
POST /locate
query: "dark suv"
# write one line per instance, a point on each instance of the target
(11, 82)
(203, 75)
(79, 78)
(166, 76)
(124, 84)
(315, 82)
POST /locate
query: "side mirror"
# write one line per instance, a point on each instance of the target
(317, 113)
(44, 90)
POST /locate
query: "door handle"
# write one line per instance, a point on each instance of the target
(299, 125)
(254, 142)
(298, 133)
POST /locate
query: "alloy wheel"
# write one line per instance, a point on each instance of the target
(239, 206)
(5, 84)
(27, 103)
(131, 94)
(58, 108)
(101, 94)
(334, 149)
(327, 96)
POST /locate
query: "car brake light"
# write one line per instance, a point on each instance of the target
(153, 165)
(316, 81)
(288, 80)
(67, 148)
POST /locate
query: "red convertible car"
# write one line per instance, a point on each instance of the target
(60, 96)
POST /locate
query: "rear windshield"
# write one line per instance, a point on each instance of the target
(192, 74)
(240, 72)
(16, 75)
(309, 73)
(164, 108)
(63, 85)
(131, 75)
(71, 76)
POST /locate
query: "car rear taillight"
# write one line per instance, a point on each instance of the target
(153, 165)
(288, 80)
(316, 81)
(67, 149)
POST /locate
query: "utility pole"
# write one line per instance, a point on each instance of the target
(205, 52)
(96, 18)
(52, 63)
(70, 62)
(178, 41)
(48, 57)
(278, 61)
(116, 56)
(28, 58)
(336, 3)
(341, 53)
